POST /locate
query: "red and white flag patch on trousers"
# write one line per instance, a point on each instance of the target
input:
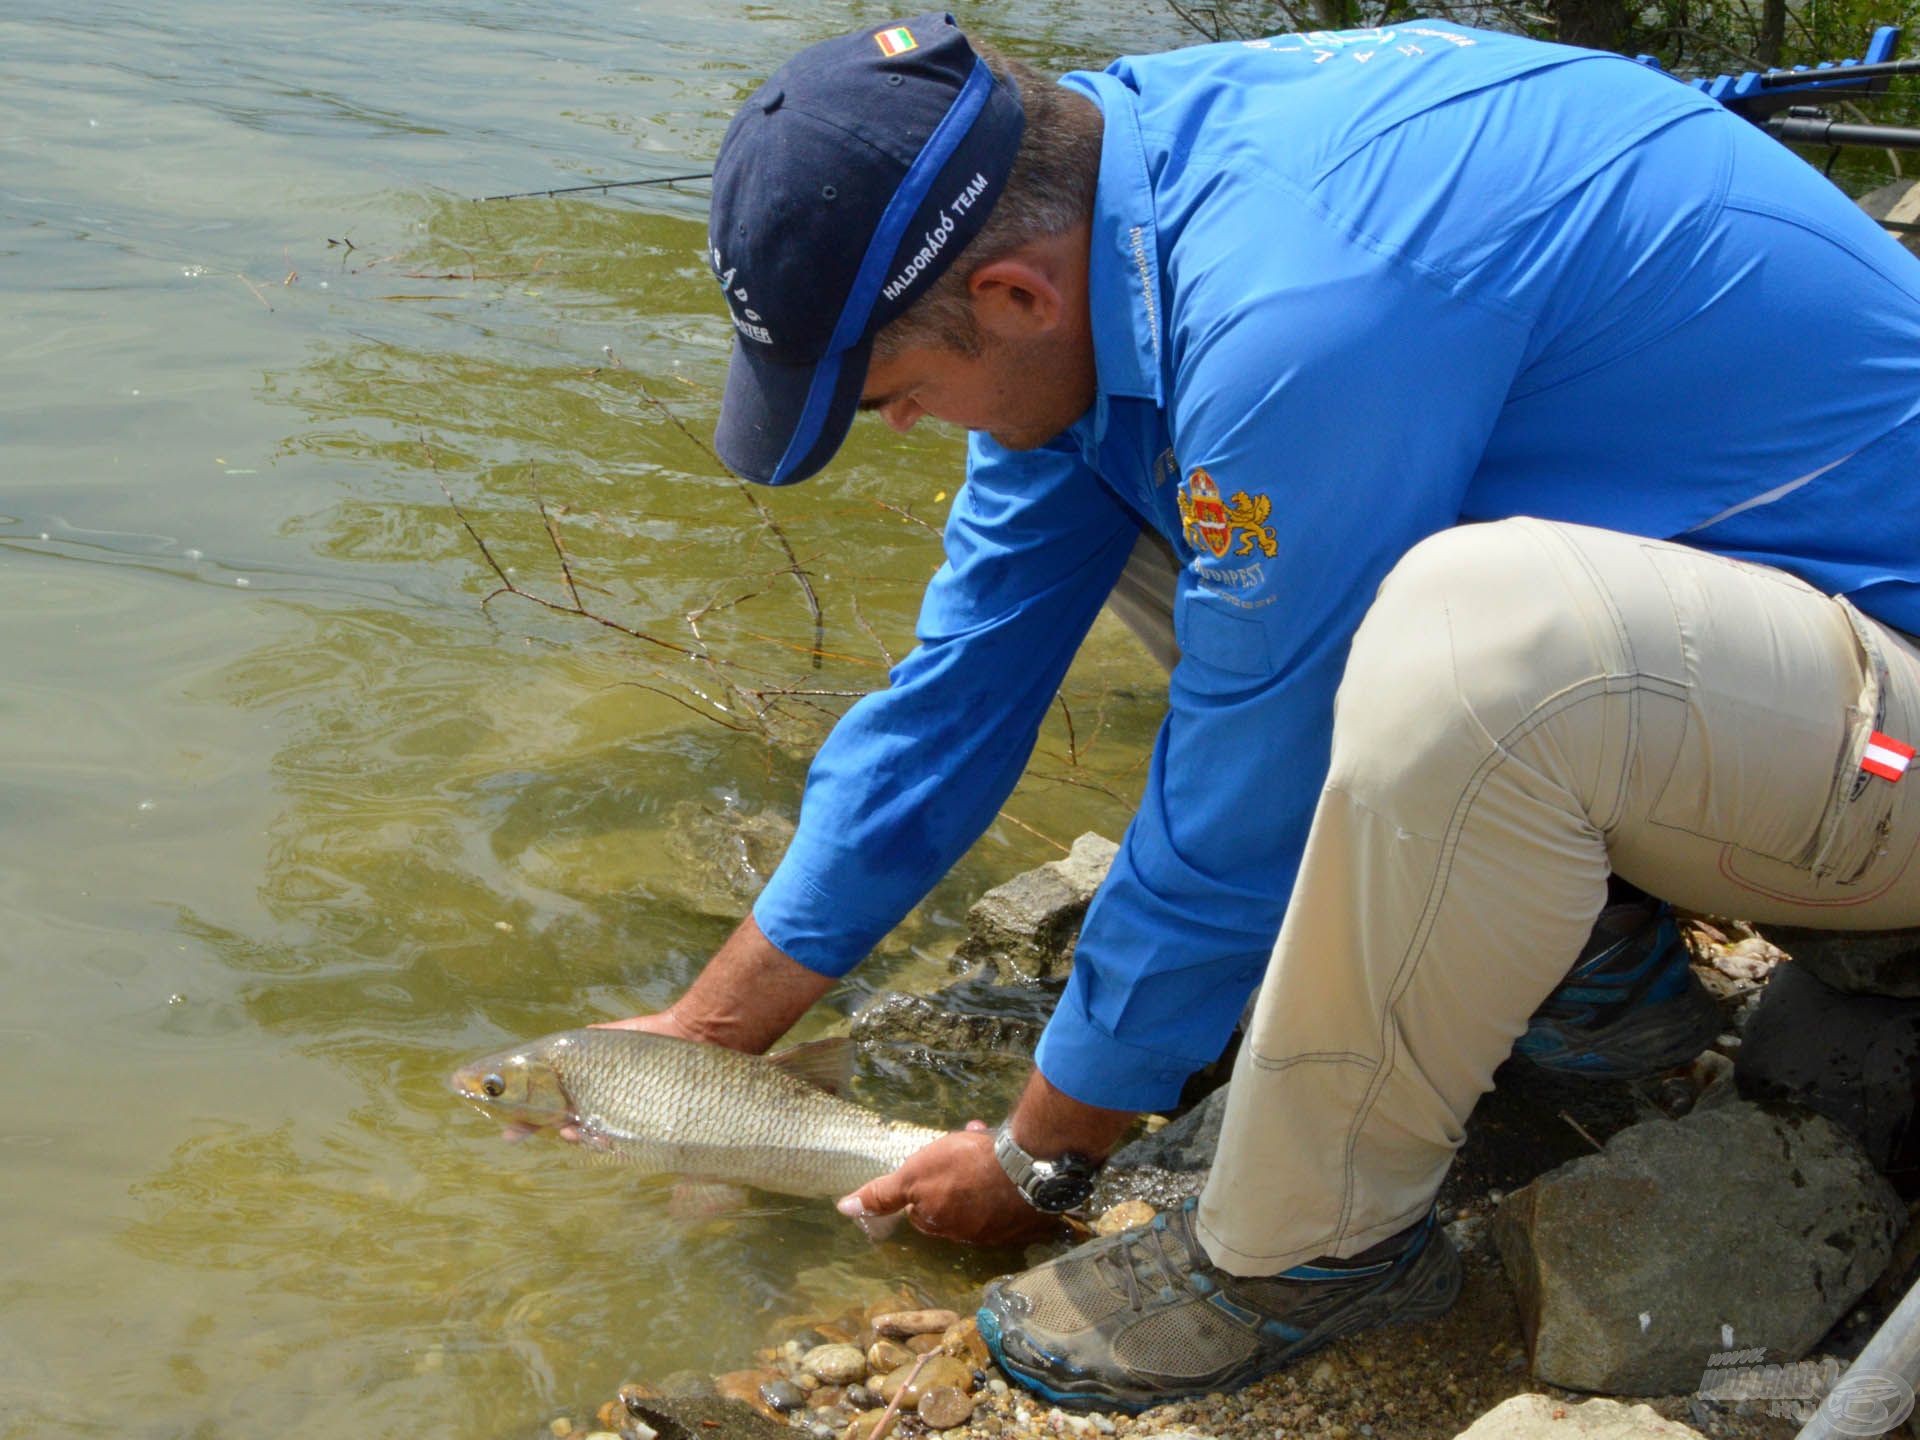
(1886, 757)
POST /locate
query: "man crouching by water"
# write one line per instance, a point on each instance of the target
(1415, 394)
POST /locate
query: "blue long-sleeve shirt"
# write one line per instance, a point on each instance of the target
(1347, 290)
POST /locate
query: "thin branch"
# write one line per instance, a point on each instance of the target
(704, 714)
(766, 518)
(872, 634)
(560, 551)
(1015, 820)
(1581, 1131)
(507, 586)
(1073, 745)
(255, 289)
(905, 514)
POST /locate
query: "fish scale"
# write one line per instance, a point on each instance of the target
(691, 1109)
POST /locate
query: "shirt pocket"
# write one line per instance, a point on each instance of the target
(1212, 630)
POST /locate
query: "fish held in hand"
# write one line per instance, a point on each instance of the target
(681, 1107)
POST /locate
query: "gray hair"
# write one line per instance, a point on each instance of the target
(1048, 193)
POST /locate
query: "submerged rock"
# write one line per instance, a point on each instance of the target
(1731, 1226)
(1029, 926)
(939, 1023)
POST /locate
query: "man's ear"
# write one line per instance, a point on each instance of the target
(1021, 295)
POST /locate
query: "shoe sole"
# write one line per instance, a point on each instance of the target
(1426, 1292)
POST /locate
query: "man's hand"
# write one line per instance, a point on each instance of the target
(955, 1189)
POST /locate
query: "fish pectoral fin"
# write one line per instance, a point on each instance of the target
(825, 1064)
(706, 1200)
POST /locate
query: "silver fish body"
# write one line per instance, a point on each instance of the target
(691, 1109)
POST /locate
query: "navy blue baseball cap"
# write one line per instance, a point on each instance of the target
(843, 189)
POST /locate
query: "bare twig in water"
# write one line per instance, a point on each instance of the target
(766, 518)
(706, 714)
(906, 514)
(1073, 744)
(560, 550)
(507, 586)
(255, 289)
(1581, 1131)
(1015, 820)
(872, 634)
(880, 1425)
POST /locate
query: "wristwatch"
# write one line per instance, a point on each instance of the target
(1050, 1186)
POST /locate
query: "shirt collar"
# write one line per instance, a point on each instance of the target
(1123, 265)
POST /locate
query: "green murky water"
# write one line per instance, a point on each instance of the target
(289, 821)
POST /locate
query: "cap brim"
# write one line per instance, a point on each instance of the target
(765, 404)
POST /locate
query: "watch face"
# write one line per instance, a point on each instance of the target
(1054, 1193)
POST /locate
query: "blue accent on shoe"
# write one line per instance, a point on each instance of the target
(1629, 1007)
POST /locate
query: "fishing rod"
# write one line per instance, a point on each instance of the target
(1813, 128)
(1844, 71)
(602, 186)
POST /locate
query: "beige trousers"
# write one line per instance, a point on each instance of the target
(1526, 708)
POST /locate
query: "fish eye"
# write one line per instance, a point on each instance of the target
(493, 1086)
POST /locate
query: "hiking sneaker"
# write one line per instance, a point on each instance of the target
(1143, 1317)
(1629, 1007)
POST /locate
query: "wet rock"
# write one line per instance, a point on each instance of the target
(1899, 202)
(863, 1397)
(1124, 1216)
(963, 1341)
(1630, 1265)
(783, 1397)
(745, 1386)
(1853, 1058)
(1184, 1144)
(869, 1423)
(899, 1324)
(938, 1023)
(687, 1385)
(1881, 962)
(1029, 926)
(945, 1408)
(835, 1364)
(923, 1344)
(911, 1383)
(826, 1397)
(885, 1355)
(1540, 1417)
(705, 1419)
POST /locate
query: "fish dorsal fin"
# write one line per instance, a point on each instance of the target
(825, 1064)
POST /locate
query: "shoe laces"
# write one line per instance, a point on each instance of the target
(1152, 1243)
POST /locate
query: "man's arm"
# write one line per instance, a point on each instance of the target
(747, 997)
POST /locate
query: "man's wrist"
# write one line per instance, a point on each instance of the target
(1050, 1184)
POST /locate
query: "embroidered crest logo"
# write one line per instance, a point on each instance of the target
(1208, 520)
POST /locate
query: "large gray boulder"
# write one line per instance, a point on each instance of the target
(1853, 1058)
(1732, 1227)
(1541, 1417)
(1028, 927)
